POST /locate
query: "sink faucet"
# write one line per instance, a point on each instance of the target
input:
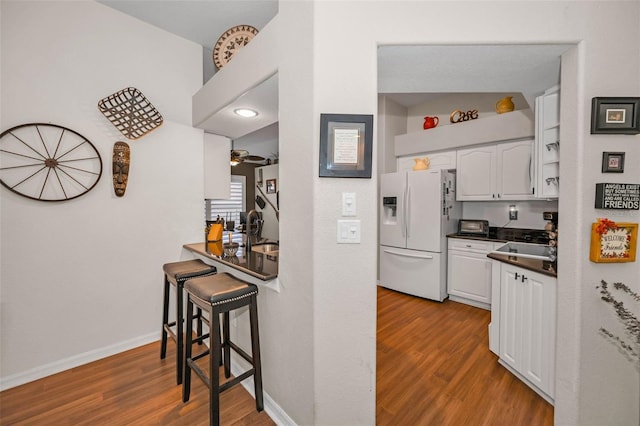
(254, 227)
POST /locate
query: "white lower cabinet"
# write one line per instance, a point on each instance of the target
(469, 272)
(527, 324)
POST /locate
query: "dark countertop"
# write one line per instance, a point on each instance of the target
(535, 265)
(472, 237)
(260, 265)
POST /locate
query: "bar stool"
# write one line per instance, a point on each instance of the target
(216, 295)
(176, 274)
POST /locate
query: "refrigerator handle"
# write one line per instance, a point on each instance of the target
(403, 225)
(407, 211)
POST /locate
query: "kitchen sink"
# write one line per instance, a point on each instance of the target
(527, 250)
(268, 248)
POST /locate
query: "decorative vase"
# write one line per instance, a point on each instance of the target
(505, 105)
(421, 163)
(430, 122)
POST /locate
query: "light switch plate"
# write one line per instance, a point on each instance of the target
(349, 232)
(348, 204)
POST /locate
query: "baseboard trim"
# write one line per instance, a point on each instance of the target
(74, 361)
(277, 414)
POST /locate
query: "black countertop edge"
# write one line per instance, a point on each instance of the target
(472, 237)
(535, 265)
(258, 265)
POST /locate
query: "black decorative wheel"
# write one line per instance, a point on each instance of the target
(47, 162)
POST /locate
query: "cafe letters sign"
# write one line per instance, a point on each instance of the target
(618, 196)
(613, 242)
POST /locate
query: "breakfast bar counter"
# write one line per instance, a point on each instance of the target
(252, 265)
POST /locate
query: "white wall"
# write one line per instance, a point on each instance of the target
(82, 279)
(592, 378)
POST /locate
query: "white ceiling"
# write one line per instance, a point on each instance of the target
(408, 73)
(201, 21)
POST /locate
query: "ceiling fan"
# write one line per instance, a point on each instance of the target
(240, 155)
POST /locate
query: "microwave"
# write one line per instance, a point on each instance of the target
(476, 227)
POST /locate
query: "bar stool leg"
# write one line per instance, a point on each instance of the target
(214, 369)
(186, 380)
(165, 318)
(226, 346)
(179, 333)
(199, 327)
(255, 352)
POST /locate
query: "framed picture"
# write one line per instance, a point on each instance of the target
(615, 115)
(271, 186)
(612, 162)
(346, 145)
(613, 242)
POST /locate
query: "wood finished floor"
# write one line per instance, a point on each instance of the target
(433, 368)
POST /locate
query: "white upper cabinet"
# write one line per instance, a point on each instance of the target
(217, 170)
(547, 148)
(477, 170)
(495, 172)
(514, 177)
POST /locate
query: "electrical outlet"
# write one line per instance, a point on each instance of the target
(513, 213)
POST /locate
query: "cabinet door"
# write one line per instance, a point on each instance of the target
(511, 315)
(217, 172)
(469, 276)
(476, 178)
(515, 170)
(538, 331)
(527, 325)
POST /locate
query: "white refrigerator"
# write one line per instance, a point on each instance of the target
(417, 211)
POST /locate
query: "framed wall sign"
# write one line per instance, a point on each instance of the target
(613, 242)
(615, 115)
(612, 162)
(617, 196)
(346, 145)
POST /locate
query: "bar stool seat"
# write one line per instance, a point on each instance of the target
(219, 294)
(176, 273)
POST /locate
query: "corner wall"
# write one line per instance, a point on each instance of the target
(82, 279)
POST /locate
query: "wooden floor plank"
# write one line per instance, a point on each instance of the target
(434, 367)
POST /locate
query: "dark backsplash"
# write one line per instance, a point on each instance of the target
(519, 234)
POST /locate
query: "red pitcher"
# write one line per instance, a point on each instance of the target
(430, 122)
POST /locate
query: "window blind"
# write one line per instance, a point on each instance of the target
(228, 209)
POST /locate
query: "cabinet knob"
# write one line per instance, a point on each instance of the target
(523, 278)
(517, 275)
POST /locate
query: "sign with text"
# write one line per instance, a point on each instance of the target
(618, 196)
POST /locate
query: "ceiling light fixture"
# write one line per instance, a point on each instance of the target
(245, 112)
(234, 162)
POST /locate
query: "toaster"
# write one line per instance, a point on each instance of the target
(476, 227)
